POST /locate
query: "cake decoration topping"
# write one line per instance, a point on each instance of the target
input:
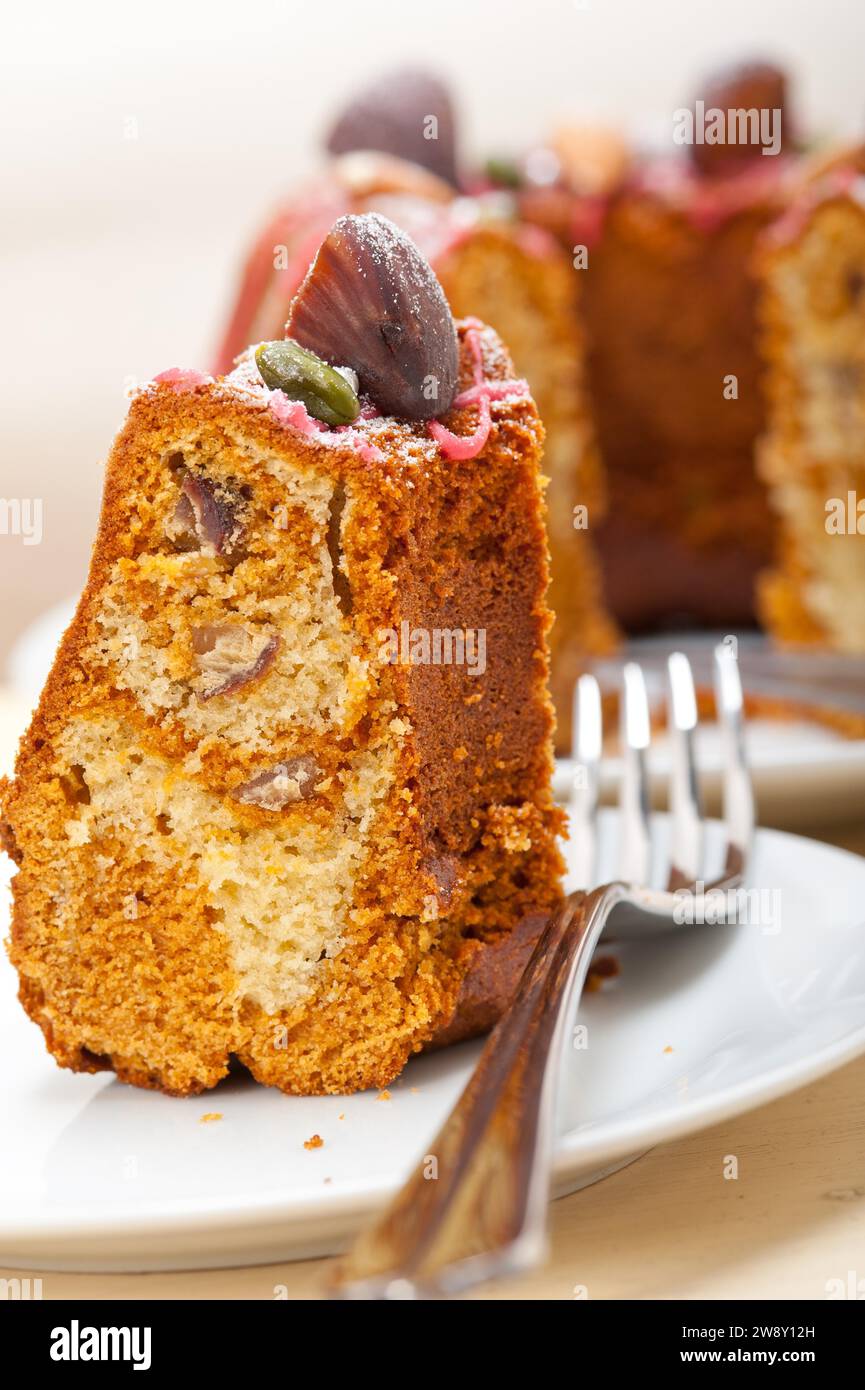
(295, 413)
(407, 113)
(302, 376)
(182, 378)
(371, 300)
(481, 394)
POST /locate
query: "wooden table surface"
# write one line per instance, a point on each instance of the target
(669, 1226)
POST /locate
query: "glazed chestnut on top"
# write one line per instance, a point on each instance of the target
(370, 301)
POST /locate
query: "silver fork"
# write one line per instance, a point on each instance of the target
(475, 1207)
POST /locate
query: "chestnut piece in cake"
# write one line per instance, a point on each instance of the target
(242, 827)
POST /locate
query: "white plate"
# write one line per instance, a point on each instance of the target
(698, 1026)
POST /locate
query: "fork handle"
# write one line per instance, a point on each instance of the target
(475, 1205)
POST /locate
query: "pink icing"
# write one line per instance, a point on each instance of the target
(457, 446)
(709, 202)
(182, 378)
(492, 391)
(295, 413)
(367, 452)
(468, 446)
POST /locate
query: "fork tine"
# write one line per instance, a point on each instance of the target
(686, 833)
(586, 751)
(738, 795)
(634, 845)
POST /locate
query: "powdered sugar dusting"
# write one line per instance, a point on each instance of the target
(491, 391)
(400, 446)
(295, 413)
(386, 250)
(182, 379)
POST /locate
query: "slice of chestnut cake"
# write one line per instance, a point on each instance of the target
(288, 785)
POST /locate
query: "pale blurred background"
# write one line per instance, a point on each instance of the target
(142, 144)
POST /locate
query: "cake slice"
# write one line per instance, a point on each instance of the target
(509, 274)
(286, 796)
(812, 273)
